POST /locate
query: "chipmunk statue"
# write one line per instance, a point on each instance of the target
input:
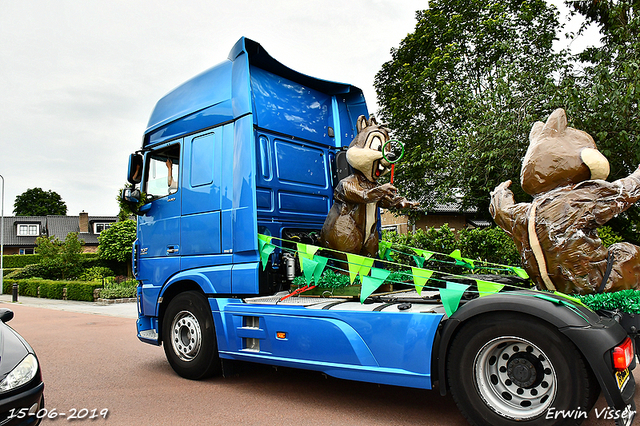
(351, 225)
(556, 234)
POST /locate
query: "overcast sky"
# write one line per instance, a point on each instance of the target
(79, 78)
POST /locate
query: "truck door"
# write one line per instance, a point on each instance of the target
(159, 225)
(201, 197)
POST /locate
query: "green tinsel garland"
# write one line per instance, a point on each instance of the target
(625, 300)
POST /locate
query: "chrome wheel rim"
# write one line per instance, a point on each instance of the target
(515, 378)
(186, 336)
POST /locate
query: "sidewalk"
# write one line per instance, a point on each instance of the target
(125, 310)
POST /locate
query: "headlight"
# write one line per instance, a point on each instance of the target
(21, 374)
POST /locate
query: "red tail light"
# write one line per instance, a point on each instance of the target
(623, 355)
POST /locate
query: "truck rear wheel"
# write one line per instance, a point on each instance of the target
(189, 337)
(506, 369)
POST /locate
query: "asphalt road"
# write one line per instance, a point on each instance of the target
(95, 361)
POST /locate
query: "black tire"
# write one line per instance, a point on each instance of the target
(510, 369)
(189, 337)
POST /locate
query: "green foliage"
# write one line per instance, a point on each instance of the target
(608, 236)
(603, 95)
(37, 202)
(20, 260)
(31, 271)
(60, 260)
(116, 242)
(462, 91)
(488, 244)
(95, 273)
(8, 271)
(79, 290)
(116, 290)
(464, 88)
(76, 290)
(126, 209)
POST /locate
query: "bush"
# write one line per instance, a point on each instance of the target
(29, 271)
(115, 290)
(608, 236)
(79, 290)
(95, 273)
(9, 271)
(488, 244)
(20, 260)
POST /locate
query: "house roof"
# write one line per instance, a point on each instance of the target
(53, 226)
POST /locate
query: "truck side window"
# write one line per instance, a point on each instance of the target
(162, 172)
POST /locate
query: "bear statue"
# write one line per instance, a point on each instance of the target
(556, 233)
(351, 225)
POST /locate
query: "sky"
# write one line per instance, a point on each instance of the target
(79, 78)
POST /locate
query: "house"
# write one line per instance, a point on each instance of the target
(20, 232)
(451, 214)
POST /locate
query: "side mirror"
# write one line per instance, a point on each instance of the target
(6, 315)
(134, 174)
(131, 197)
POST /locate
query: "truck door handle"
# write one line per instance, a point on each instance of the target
(172, 249)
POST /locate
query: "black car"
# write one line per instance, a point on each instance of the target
(21, 386)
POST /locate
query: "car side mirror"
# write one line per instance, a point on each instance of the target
(6, 315)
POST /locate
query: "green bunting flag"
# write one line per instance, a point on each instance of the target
(321, 264)
(265, 248)
(462, 261)
(371, 283)
(426, 254)
(309, 269)
(358, 265)
(520, 272)
(306, 251)
(419, 260)
(420, 278)
(486, 288)
(383, 249)
(451, 296)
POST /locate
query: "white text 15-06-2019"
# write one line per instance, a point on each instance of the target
(72, 414)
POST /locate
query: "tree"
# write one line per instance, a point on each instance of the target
(116, 242)
(60, 259)
(462, 92)
(36, 202)
(603, 94)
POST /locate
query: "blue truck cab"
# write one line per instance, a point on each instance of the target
(252, 147)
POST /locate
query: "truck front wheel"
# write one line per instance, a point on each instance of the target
(508, 369)
(189, 338)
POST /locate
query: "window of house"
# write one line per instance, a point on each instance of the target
(28, 230)
(26, 251)
(101, 226)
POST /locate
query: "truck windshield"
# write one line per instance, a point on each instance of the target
(162, 172)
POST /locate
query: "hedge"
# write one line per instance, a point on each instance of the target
(76, 290)
(22, 260)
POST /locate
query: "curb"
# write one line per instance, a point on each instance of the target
(113, 301)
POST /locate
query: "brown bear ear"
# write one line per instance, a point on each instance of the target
(372, 121)
(361, 123)
(557, 121)
(536, 129)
